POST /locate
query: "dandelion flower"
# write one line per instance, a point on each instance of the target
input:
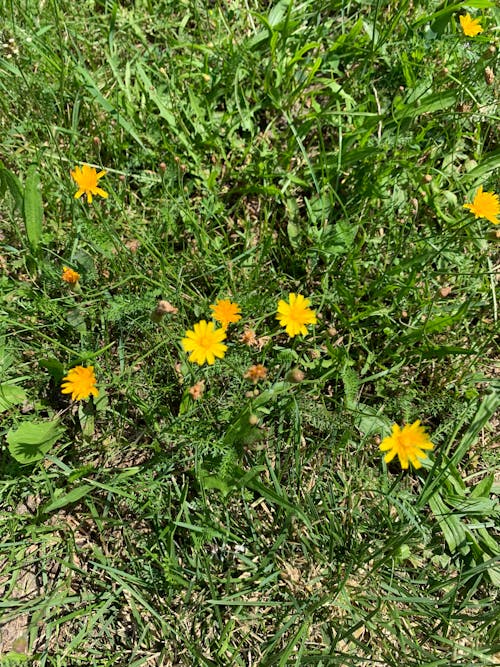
(295, 315)
(470, 26)
(225, 312)
(407, 443)
(70, 276)
(87, 179)
(485, 205)
(204, 342)
(80, 383)
(256, 373)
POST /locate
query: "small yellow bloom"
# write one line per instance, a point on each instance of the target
(70, 276)
(225, 312)
(80, 383)
(485, 205)
(295, 315)
(407, 443)
(204, 342)
(470, 26)
(87, 179)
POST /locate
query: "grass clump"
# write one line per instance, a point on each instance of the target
(249, 241)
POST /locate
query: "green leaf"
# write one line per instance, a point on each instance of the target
(484, 413)
(33, 208)
(483, 489)
(86, 415)
(12, 658)
(10, 395)
(32, 440)
(213, 482)
(488, 165)
(54, 367)
(13, 183)
(92, 87)
(453, 530)
(69, 498)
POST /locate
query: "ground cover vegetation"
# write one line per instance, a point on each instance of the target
(249, 333)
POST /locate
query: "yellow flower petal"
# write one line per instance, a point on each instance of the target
(204, 342)
(225, 312)
(80, 383)
(471, 27)
(485, 205)
(87, 178)
(408, 444)
(295, 314)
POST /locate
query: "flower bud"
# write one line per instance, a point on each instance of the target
(162, 308)
(489, 76)
(295, 375)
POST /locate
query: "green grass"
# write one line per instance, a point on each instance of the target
(252, 149)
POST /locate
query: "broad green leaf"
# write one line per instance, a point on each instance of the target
(10, 395)
(33, 208)
(69, 498)
(32, 440)
(453, 530)
(54, 367)
(484, 413)
(428, 104)
(483, 489)
(86, 415)
(478, 174)
(14, 185)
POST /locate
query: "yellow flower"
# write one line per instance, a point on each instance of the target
(470, 26)
(295, 315)
(407, 443)
(70, 276)
(225, 312)
(87, 179)
(204, 342)
(485, 205)
(80, 383)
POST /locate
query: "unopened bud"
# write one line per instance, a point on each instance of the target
(295, 375)
(162, 308)
(489, 76)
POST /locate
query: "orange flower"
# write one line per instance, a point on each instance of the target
(225, 312)
(485, 205)
(87, 179)
(80, 383)
(70, 276)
